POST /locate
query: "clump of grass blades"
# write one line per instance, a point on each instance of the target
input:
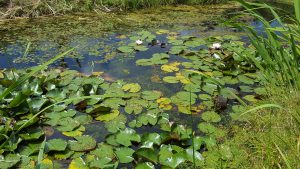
(32, 8)
(277, 50)
(269, 138)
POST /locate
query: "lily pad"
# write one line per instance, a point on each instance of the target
(124, 154)
(78, 163)
(126, 136)
(56, 145)
(109, 116)
(211, 116)
(117, 124)
(132, 87)
(151, 95)
(82, 143)
(126, 49)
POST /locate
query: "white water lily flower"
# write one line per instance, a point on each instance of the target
(216, 56)
(139, 42)
(216, 46)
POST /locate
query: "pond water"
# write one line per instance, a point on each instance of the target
(114, 55)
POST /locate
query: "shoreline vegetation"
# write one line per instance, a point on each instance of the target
(252, 136)
(33, 8)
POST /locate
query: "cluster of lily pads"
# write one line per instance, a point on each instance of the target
(141, 131)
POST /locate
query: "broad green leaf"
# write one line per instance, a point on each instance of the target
(211, 116)
(126, 136)
(56, 145)
(78, 163)
(82, 143)
(132, 87)
(124, 154)
(109, 116)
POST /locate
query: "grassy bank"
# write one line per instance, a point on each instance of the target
(270, 138)
(32, 8)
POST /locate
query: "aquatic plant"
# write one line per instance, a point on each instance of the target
(277, 51)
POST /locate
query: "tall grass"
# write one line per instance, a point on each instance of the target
(278, 51)
(33, 8)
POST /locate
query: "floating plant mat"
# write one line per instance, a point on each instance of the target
(200, 77)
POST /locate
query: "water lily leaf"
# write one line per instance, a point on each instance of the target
(245, 79)
(32, 134)
(182, 78)
(67, 124)
(164, 103)
(146, 165)
(101, 163)
(117, 124)
(176, 42)
(55, 117)
(30, 149)
(260, 91)
(36, 104)
(148, 154)
(246, 89)
(211, 116)
(190, 156)
(135, 105)
(146, 118)
(162, 31)
(182, 132)
(63, 155)
(82, 143)
(46, 164)
(205, 97)
(211, 130)
(183, 98)
(250, 98)
(170, 79)
(172, 67)
(150, 139)
(157, 59)
(132, 87)
(104, 150)
(167, 158)
(126, 136)
(17, 100)
(74, 133)
(113, 103)
(151, 95)
(108, 116)
(176, 50)
(192, 87)
(230, 80)
(55, 145)
(9, 160)
(83, 119)
(209, 88)
(124, 154)
(126, 49)
(78, 163)
(140, 48)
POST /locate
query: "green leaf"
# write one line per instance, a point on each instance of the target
(108, 116)
(151, 95)
(150, 139)
(67, 124)
(82, 143)
(146, 165)
(135, 105)
(117, 124)
(78, 163)
(126, 136)
(32, 134)
(126, 49)
(124, 154)
(132, 87)
(148, 154)
(9, 161)
(56, 145)
(170, 79)
(211, 116)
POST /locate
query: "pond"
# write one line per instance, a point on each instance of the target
(155, 85)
